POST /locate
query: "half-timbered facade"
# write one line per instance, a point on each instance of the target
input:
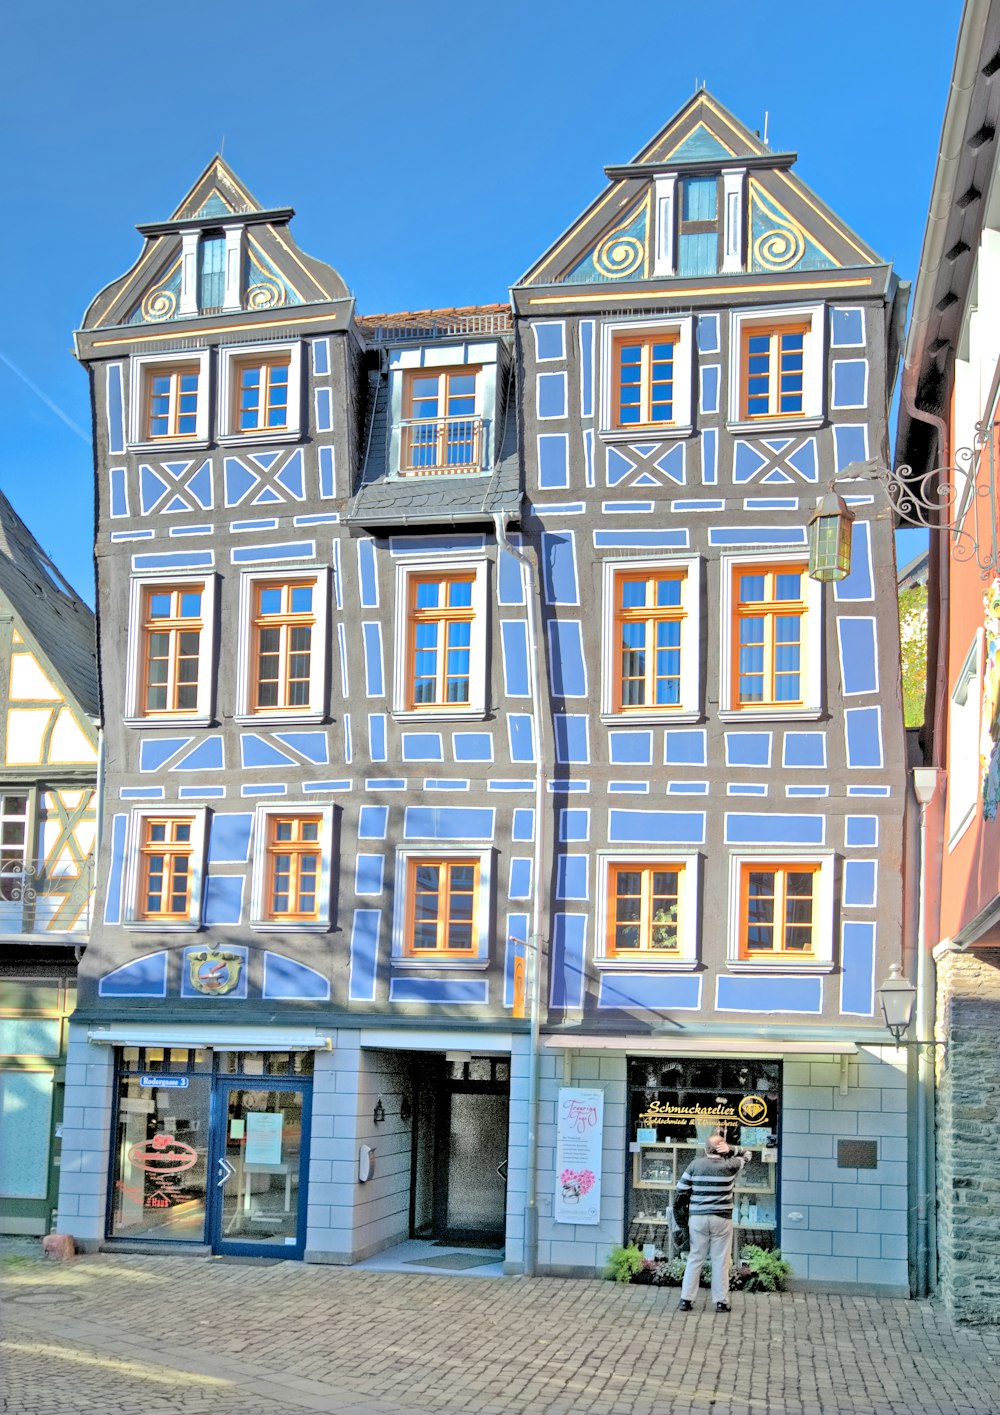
(465, 664)
(48, 774)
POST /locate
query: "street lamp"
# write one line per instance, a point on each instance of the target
(897, 998)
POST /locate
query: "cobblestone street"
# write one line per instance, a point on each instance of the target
(136, 1335)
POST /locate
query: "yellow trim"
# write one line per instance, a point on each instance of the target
(218, 329)
(131, 277)
(575, 228)
(252, 241)
(800, 191)
(700, 124)
(756, 186)
(685, 290)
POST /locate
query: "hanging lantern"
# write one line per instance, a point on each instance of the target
(830, 539)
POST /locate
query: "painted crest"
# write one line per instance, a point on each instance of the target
(214, 971)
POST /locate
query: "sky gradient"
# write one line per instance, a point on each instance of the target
(432, 152)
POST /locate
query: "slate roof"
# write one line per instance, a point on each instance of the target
(51, 612)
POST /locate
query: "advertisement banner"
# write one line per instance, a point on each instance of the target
(579, 1141)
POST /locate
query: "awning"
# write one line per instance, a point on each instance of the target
(435, 1039)
(207, 1037)
(757, 1047)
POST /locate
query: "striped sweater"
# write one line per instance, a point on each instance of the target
(709, 1184)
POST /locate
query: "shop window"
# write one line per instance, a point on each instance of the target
(170, 650)
(782, 912)
(776, 366)
(441, 640)
(169, 399)
(166, 858)
(442, 909)
(292, 864)
(652, 615)
(260, 393)
(649, 907)
(283, 646)
(774, 651)
(442, 425)
(647, 378)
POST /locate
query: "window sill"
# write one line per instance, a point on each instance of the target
(435, 714)
(766, 425)
(279, 717)
(652, 432)
(281, 926)
(440, 472)
(167, 927)
(421, 964)
(173, 444)
(663, 717)
(646, 965)
(781, 964)
(768, 714)
(239, 439)
(167, 720)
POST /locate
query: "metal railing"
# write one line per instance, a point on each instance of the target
(45, 896)
(434, 446)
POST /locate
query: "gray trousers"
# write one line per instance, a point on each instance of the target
(711, 1237)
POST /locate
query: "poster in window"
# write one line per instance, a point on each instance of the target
(263, 1137)
(579, 1140)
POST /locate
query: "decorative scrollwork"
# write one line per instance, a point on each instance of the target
(619, 256)
(16, 881)
(780, 248)
(159, 304)
(264, 295)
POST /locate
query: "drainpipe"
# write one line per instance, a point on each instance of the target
(924, 786)
(535, 942)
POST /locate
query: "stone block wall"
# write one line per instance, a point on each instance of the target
(86, 1140)
(968, 1135)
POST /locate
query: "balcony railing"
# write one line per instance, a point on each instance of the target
(46, 896)
(441, 446)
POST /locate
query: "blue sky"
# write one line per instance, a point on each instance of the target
(432, 151)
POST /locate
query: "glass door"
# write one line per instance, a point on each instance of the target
(471, 1181)
(262, 1128)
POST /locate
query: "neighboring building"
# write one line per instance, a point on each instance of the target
(363, 757)
(949, 419)
(48, 773)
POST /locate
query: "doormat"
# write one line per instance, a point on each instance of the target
(246, 1262)
(466, 1243)
(455, 1262)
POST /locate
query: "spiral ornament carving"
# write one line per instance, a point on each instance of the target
(619, 256)
(264, 295)
(780, 248)
(159, 304)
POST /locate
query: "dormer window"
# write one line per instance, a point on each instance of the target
(441, 429)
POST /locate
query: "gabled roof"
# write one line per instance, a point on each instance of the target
(277, 274)
(54, 620)
(788, 228)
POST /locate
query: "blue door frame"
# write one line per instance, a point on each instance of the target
(219, 1117)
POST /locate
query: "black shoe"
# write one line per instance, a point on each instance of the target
(684, 1305)
(723, 1307)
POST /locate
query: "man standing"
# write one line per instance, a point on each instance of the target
(708, 1185)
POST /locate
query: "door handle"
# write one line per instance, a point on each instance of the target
(226, 1171)
(502, 1169)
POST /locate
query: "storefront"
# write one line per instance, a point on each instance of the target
(211, 1147)
(674, 1104)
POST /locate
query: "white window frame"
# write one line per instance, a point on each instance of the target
(964, 742)
(479, 357)
(823, 919)
(813, 365)
(229, 358)
(812, 667)
(686, 958)
(683, 328)
(484, 907)
(478, 658)
(141, 367)
(134, 836)
(204, 713)
(259, 878)
(689, 708)
(320, 652)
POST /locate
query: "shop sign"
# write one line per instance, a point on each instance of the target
(750, 1110)
(165, 1083)
(579, 1144)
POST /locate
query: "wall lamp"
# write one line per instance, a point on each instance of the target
(379, 1113)
(957, 498)
(897, 999)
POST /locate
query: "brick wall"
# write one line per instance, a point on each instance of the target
(968, 1135)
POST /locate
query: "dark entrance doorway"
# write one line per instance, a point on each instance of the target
(467, 1109)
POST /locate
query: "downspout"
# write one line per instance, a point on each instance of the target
(924, 786)
(530, 1259)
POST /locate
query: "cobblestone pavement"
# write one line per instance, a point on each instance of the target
(135, 1335)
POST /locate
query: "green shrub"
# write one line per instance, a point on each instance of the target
(767, 1270)
(623, 1263)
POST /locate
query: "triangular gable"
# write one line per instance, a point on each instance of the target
(787, 228)
(220, 190)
